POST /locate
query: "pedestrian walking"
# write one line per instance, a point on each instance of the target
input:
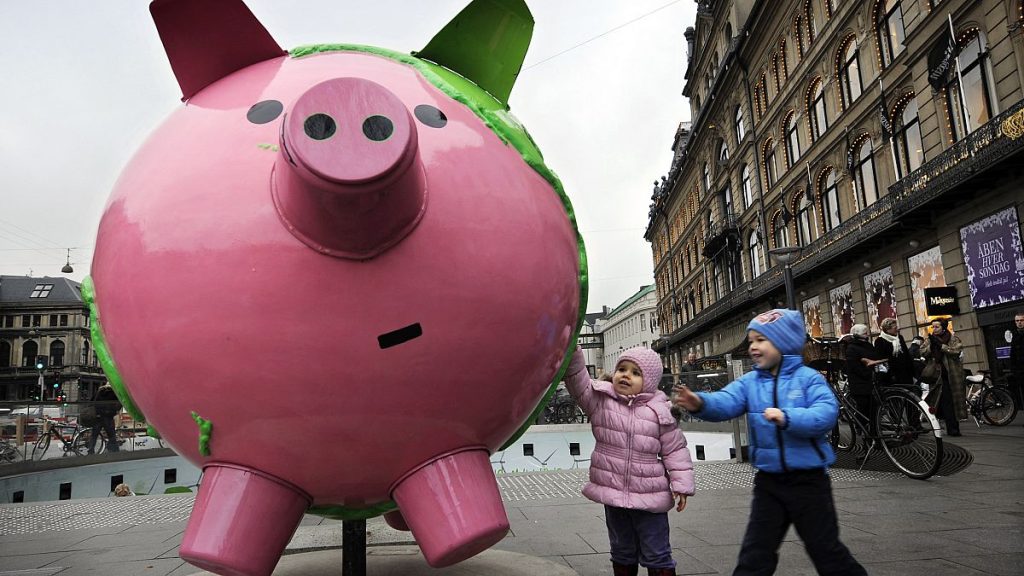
(790, 411)
(640, 467)
(947, 394)
(107, 406)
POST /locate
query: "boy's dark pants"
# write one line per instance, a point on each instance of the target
(802, 498)
(637, 536)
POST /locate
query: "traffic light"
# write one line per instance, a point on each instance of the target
(56, 385)
(41, 362)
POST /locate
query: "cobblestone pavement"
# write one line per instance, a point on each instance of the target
(969, 523)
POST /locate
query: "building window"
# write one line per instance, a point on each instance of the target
(740, 130)
(805, 220)
(36, 320)
(976, 68)
(725, 201)
(789, 128)
(5, 354)
(830, 202)
(643, 323)
(53, 320)
(707, 179)
(41, 291)
(8, 321)
(812, 31)
(748, 193)
(783, 60)
(889, 31)
(771, 167)
(29, 351)
(57, 353)
(723, 153)
(864, 172)
(908, 137)
(798, 31)
(775, 73)
(816, 108)
(780, 231)
(754, 252)
(63, 320)
(850, 85)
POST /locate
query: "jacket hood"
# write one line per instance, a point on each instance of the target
(650, 366)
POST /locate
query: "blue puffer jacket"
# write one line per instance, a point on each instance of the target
(802, 394)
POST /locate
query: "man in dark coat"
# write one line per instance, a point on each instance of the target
(861, 359)
(107, 406)
(1017, 358)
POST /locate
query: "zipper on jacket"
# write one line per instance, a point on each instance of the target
(629, 452)
(778, 431)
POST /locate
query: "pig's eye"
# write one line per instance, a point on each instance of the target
(378, 128)
(430, 116)
(319, 126)
(265, 111)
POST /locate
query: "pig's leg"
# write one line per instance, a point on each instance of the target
(241, 521)
(453, 507)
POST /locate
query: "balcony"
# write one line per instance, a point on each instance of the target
(721, 235)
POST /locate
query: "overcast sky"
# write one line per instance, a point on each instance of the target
(85, 82)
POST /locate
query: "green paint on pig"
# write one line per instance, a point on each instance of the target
(205, 431)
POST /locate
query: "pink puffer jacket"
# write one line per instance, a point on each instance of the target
(631, 434)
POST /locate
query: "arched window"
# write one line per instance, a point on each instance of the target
(798, 32)
(812, 31)
(775, 73)
(707, 178)
(816, 108)
(5, 354)
(764, 91)
(850, 85)
(748, 193)
(792, 136)
(780, 231)
(723, 153)
(889, 33)
(758, 110)
(830, 201)
(756, 254)
(738, 120)
(771, 167)
(29, 351)
(864, 172)
(56, 353)
(728, 33)
(908, 135)
(85, 353)
(976, 68)
(783, 60)
(805, 219)
(830, 7)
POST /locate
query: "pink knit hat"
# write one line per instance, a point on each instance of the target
(650, 365)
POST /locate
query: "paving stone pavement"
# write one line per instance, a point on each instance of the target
(969, 523)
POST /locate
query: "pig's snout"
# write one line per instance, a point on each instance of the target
(348, 181)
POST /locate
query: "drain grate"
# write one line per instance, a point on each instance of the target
(954, 459)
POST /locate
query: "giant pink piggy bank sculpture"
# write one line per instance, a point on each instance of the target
(338, 279)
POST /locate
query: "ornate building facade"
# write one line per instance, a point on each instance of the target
(884, 138)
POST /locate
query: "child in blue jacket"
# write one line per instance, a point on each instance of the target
(790, 411)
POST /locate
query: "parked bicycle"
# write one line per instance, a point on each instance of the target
(991, 403)
(907, 432)
(9, 451)
(54, 429)
(562, 409)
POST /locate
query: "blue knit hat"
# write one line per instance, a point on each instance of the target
(783, 328)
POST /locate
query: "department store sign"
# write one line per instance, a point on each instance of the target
(994, 258)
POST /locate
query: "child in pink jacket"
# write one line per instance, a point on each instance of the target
(640, 466)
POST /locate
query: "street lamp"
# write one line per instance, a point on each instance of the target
(786, 256)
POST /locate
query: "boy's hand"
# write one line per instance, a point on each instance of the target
(775, 415)
(686, 399)
(682, 501)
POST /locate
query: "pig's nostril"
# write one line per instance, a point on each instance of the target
(319, 126)
(430, 116)
(265, 111)
(378, 128)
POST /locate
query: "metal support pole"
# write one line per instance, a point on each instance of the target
(790, 293)
(353, 548)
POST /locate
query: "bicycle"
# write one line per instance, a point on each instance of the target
(906, 430)
(54, 429)
(122, 434)
(830, 367)
(989, 402)
(9, 451)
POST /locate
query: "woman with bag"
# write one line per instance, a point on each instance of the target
(942, 350)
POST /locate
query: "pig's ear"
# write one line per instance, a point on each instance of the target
(207, 40)
(486, 43)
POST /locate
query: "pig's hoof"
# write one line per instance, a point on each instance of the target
(241, 521)
(453, 507)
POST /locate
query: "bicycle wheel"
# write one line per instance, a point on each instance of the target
(80, 443)
(42, 445)
(843, 435)
(908, 436)
(997, 406)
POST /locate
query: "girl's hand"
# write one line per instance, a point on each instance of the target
(686, 399)
(775, 415)
(682, 501)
